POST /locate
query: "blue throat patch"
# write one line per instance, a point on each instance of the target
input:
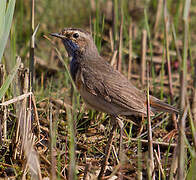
(74, 65)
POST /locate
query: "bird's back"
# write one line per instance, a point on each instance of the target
(101, 80)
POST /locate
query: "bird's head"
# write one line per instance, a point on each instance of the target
(77, 42)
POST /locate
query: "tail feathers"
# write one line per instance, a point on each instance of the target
(158, 105)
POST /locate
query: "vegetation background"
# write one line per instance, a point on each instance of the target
(46, 130)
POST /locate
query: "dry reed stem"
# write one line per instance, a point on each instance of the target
(36, 115)
(163, 144)
(115, 154)
(52, 144)
(130, 51)
(119, 67)
(27, 141)
(16, 99)
(158, 17)
(113, 61)
(166, 25)
(23, 131)
(150, 145)
(159, 164)
(32, 47)
(121, 125)
(111, 40)
(143, 60)
(181, 141)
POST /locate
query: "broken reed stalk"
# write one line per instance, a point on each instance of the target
(23, 131)
(166, 30)
(130, 51)
(151, 174)
(143, 60)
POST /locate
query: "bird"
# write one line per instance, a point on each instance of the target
(102, 87)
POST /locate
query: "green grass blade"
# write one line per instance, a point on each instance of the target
(8, 19)
(9, 79)
(2, 17)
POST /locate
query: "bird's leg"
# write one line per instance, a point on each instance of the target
(108, 147)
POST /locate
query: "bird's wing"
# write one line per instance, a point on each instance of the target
(102, 80)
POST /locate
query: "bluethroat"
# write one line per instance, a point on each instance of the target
(101, 86)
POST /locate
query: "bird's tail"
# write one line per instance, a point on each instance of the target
(158, 105)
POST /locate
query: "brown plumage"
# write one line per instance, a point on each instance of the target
(101, 86)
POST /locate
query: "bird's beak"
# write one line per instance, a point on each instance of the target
(57, 35)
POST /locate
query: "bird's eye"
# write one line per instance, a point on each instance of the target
(75, 35)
